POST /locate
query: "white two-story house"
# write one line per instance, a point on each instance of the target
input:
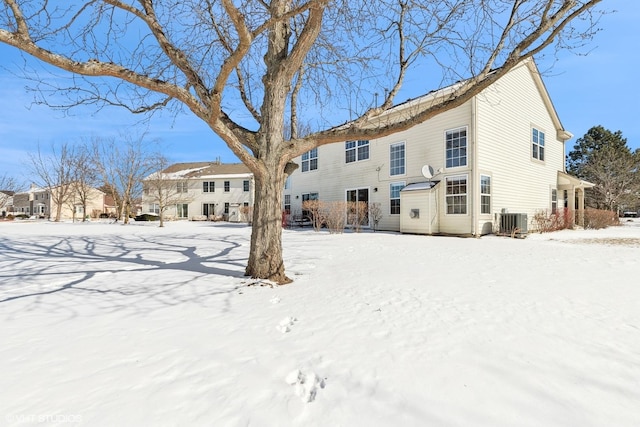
(460, 172)
(204, 191)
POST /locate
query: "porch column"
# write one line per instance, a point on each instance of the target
(580, 200)
(571, 203)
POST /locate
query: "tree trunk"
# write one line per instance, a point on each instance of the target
(265, 254)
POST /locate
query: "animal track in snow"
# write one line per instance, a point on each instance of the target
(285, 324)
(305, 385)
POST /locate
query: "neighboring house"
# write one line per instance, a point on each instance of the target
(205, 191)
(38, 202)
(501, 152)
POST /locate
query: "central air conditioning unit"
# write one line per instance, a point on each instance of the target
(513, 223)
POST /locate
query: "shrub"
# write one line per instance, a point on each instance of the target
(147, 217)
(596, 219)
(335, 218)
(546, 222)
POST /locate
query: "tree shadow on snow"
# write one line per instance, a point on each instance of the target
(154, 271)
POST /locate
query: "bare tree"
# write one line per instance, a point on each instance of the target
(242, 67)
(54, 172)
(8, 187)
(122, 165)
(84, 179)
(165, 189)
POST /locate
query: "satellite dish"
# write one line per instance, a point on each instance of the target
(427, 171)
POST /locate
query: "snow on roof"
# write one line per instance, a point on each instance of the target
(420, 186)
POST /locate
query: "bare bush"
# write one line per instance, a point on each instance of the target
(336, 218)
(317, 212)
(358, 215)
(546, 222)
(375, 212)
(597, 218)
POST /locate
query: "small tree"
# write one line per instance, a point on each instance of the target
(54, 172)
(84, 179)
(375, 212)
(122, 165)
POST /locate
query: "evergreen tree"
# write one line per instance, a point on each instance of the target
(603, 158)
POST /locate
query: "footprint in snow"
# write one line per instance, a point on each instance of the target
(305, 385)
(285, 324)
(274, 300)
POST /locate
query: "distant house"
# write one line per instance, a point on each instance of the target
(498, 157)
(38, 202)
(203, 191)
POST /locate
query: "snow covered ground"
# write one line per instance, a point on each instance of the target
(114, 325)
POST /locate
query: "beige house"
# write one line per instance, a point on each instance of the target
(203, 191)
(38, 202)
(490, 164)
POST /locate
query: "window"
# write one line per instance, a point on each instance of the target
(310, 160)
(181, 187)
(537, 144)
(183, 210)
(245, 185)
(287, 183)
(356, 151)
(287, 203)
(154, 208)
(208, 186)
(208, 209)
(227, 185)
(226, 208)
(456, 147)
(396, 159)
(394, 197)
(554, 201)
(485, 194)
(456, 195)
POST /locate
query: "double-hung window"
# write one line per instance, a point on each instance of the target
(456, 195)
(181, 187)
(310, 160)
(245, 185)
(356, 151)
(227, 186)
(485, 194)
(287, 203)
(554, 201)
(456, 147)
(394, 197)
(208, 186)
(396, 159)
(537, 144)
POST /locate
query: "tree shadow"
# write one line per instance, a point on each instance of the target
(148, 272)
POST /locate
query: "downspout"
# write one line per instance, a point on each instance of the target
(472, 172)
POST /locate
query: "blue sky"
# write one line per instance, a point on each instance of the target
(597, 89)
